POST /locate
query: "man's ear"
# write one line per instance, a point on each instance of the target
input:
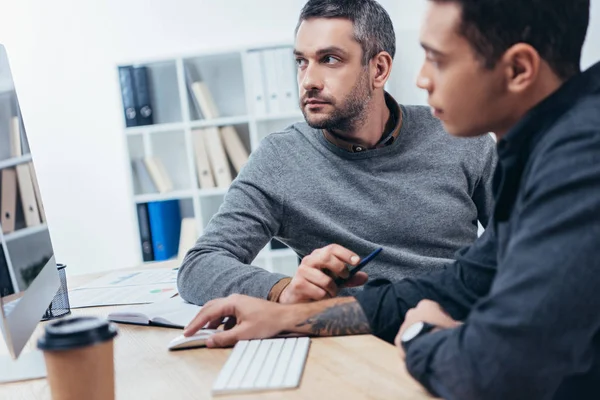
(381, 67)
(521, 66)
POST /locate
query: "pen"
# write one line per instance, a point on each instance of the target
(359, 266)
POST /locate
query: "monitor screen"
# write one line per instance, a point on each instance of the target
(28, 274)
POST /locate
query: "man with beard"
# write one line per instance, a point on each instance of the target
(362, 172)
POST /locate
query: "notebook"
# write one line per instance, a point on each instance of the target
(174, 313)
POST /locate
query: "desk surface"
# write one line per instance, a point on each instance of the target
(351, 367)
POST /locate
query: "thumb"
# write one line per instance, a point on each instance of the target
(357, 280)
(224, 339)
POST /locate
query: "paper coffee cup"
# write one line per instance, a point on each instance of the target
(79, 358)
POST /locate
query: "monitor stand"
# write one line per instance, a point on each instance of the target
(28, 366)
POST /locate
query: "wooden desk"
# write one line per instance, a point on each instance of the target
(351, 367)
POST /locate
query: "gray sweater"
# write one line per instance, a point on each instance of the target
(418, 198)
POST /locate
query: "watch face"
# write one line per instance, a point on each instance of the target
(412, 331)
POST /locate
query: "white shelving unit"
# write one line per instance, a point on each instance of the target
(227, 75)
(25, 248)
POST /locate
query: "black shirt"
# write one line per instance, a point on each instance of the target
(528, 290)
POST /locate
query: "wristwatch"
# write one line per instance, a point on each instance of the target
(414, 331)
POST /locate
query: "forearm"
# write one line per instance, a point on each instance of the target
(456, 288)
(204, 276)
(334, 317)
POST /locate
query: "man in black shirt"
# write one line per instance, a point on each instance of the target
(517, 315)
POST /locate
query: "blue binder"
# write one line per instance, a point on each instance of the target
(165, 227)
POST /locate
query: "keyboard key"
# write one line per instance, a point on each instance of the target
(282, 363)
(257, 365)
(267, 370)
(230, 365)
(296, 366)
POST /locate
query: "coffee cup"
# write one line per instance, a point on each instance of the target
(79, 360)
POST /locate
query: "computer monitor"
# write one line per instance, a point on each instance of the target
(28, 272)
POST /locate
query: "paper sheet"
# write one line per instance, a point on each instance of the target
(119, 295)
(136, 278)
(130, 287)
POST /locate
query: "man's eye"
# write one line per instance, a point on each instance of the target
(433, 60)
(330, 60)
(300, 62)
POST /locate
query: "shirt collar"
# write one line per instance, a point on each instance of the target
(520, 138)
(516, 146)
(386, 139)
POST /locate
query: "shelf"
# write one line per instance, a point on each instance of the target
(213, 192)
(174, 195)
(137, 130)
(11, 162)
(21, 233)
(204, 123)
(276, 117)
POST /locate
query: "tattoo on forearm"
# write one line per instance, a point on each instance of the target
(339, 319)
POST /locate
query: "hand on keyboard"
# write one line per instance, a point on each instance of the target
(249, 318)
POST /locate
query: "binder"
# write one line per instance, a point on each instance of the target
(9, 200)
(257, 83)
(28, 201)
(191, 76)
(159, 174)
(143, 176)
(205, 100)
(188, 237)
(238, 155)
(203, 168)
(145, 235)
(165, 225)
(128, 95)
(38, 195)
(143, 106)
(16, 149)
(272, 80)
(6, 286)
(287, 81)
(217, 157)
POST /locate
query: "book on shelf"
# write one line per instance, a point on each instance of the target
(288, 97)
(128, 95)
(203, 168)
(188, 237)
(238, 155)
(142, 176)
(8, 207)
(191, 76)
(16, 148)
(159, 174)
(27, 194)
(205, 100)
(272, 81)
(143, 106)
(165, 228)
(145, 233)
(38, 195)
(202, 99)
(257, 83)
(216, 156)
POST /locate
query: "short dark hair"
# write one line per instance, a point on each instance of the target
(555, 28)
(373, 27)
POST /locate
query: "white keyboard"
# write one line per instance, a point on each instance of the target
(269, 364)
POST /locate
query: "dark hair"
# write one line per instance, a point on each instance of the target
(373, 28)
(555, 28)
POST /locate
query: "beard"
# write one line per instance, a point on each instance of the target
(347, 116)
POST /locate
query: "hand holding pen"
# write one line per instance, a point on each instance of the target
(323, 272)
